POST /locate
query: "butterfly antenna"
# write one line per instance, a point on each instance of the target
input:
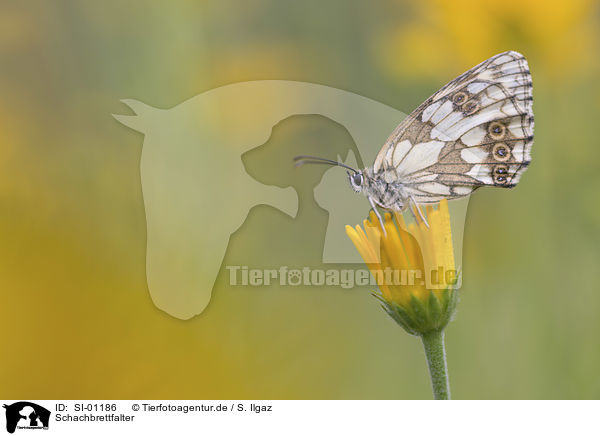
(306, 159)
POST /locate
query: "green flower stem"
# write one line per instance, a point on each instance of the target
(436, 359)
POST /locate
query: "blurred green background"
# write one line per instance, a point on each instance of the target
(77, 318)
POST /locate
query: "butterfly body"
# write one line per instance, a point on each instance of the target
(388, 194)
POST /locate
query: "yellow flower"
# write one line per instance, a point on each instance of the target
(413, 266)
(443, 37)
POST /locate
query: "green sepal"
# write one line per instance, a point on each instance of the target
(451, 306)
(398, 314)
(419, 310)
(434, 307)
(402, 317)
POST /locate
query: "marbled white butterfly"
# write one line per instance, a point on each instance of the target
(475, 131)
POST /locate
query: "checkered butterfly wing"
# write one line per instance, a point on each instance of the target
(475, 131)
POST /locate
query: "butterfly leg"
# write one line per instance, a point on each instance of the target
(378, 215)
(418, 210)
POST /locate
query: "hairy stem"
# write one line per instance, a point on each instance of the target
(436, 360)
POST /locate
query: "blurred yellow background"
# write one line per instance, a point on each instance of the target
(77, 318)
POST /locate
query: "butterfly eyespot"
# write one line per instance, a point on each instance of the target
(459, 98)
(501, 169)
(470, 107)
(501, 152)
(500, 173)
(496, 130)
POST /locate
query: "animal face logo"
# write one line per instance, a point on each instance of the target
(197, 191)
(26, 415)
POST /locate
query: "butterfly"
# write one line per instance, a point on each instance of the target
(475, 131)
